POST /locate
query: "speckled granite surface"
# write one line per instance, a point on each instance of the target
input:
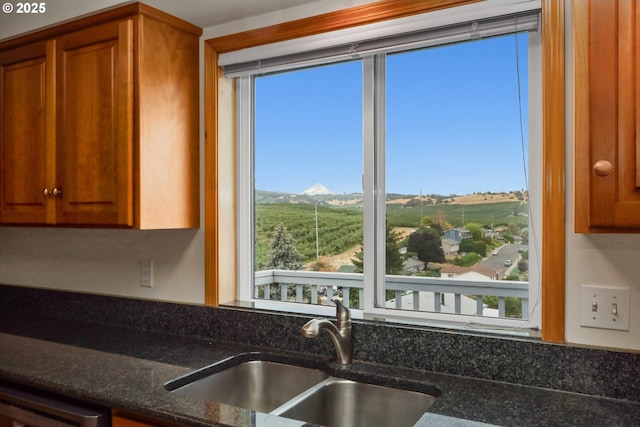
(85, 347)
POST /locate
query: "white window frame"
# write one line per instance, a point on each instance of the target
(374, 195)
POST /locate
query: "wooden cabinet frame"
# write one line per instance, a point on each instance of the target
(553, 198)
(121, 131)
(607, 116)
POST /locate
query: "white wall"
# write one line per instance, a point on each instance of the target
(105, 261)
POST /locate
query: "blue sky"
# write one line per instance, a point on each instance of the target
(452, 122)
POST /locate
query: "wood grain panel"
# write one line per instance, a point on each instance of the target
(332, 21)
(169, 133)
(81, 87)
(111, 14)
(23, 139)
(606, 116)
(553, 167)
(89, 160)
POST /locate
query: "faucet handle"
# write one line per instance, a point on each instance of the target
(342, 312)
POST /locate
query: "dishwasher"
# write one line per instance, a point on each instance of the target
(33, 408)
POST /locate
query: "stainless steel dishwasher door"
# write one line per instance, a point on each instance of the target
(33, 408)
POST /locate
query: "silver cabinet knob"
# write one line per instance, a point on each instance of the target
(602, 167)
(56, 192)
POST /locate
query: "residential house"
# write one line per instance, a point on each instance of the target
(450, 247)
(476, 272)
(413, 265)
(458, 234)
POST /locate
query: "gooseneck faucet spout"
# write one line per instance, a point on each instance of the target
(340, 333)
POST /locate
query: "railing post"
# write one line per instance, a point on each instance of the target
(399, 299)
(416, 300)
(314, 294)
(501, 307)
(299, 293)
(283, 292)
(458, 304)
(479, 305)
(437, 306)
(525, 307)
(345, 297)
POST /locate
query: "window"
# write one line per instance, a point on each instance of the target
(370, 163)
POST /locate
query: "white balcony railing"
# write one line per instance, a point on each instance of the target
(411, 292)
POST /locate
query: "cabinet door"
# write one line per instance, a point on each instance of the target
(607, 113)
(95, 126)
(27, 115)
(125, 419)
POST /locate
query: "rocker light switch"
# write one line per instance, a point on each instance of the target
(604, 307)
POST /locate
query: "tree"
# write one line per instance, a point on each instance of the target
(523, 266)
(439, 222)
(430, 222)
(479, 247)
(475, 229)
(393, 259)
(467, 260)
(426, 243)
(283, 254)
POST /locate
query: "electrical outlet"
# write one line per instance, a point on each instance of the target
(146, 273)
(603, 307)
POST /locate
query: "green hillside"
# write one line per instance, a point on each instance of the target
(501, 213)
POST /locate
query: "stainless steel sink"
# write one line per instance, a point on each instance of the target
(344, 403)
(257, 384)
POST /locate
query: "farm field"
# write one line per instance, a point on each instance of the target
(340, 227)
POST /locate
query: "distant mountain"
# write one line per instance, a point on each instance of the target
(317, 190)
(320, 195)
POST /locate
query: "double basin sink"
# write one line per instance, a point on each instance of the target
(283, 387)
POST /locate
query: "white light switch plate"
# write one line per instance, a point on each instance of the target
(604, 307)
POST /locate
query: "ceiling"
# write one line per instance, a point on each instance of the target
(203, 13)
(207, 13)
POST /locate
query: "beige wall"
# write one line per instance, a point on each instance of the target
(105, 261)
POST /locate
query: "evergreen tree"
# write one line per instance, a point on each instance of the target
(393, 257)
(283, 254)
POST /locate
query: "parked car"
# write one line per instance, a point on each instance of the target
(494, 253)
(507, 263)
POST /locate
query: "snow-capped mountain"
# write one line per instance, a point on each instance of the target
(317, 190)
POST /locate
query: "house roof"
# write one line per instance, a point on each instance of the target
(454, 269)
(412, 262)
(347, 268)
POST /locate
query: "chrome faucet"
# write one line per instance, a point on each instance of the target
(340, 333)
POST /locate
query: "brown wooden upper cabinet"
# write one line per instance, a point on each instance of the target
(100, 122)
(607, 115)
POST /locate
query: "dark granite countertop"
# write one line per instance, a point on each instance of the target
(125, 368)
